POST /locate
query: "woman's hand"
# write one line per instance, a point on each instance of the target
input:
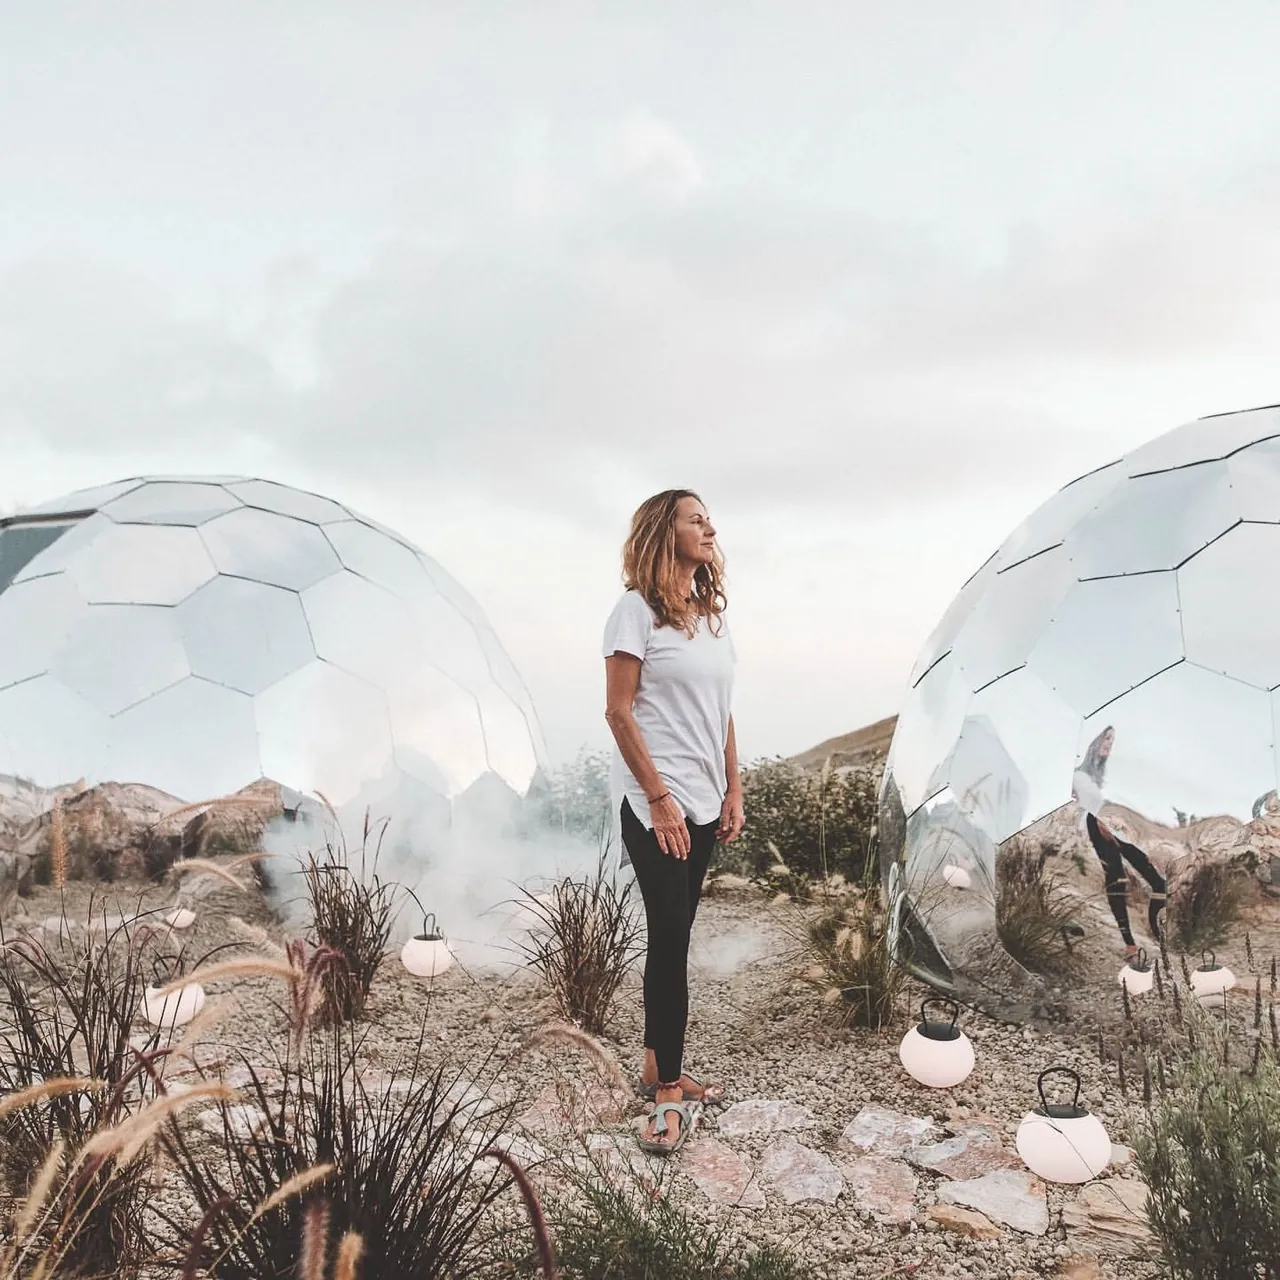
(669, 826)
(732, 818)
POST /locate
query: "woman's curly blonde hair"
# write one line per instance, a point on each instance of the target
(649, 567)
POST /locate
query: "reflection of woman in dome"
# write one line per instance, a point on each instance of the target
(1113, 852)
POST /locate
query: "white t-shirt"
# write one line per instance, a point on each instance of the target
(1088, 794)
(681, 707)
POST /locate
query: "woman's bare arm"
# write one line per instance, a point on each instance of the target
(622, 679)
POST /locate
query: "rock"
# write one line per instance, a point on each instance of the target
(1014, 1198)
(1112, 1216)
(721, 1174)
(974, 1151)
(885, 1188)
(570, 1105)
(965, 1222)
(243, 1120)
(1121, 1155)
(885, 1132)
(764, 1115)
(800, 1173)
(1080, 1266)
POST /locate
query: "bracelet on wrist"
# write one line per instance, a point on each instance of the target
(663, 796)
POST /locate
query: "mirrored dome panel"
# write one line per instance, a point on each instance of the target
(199, 633)
(1084, 770)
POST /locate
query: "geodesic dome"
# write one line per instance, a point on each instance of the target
(1139, 598)
(199, 633)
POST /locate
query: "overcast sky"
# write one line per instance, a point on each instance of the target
(875, 279)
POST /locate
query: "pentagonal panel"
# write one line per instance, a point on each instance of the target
(378, 558)
(1255, 481)
(1010, 615)
(1049, 525)
(37, 618)
(1154, 522)
(291, 502)
(953, 620)
(84, 499)
(171, 502)
(55, 558)
(122, 654)
(220, 754)
(1205, 440)
(245, 635)
(927, 729)
(1188, 741)
(20, 544)
(49, 734)
(506, 737)
(1013, 762)
(1110, 634)
(276, 549)
(362, 628)
(1229, 627)
(324, 729)
(941, 832)
(437, 728)
(141, 564)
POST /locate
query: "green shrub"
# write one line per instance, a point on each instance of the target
(1205, 902)
(1033, 911)
(1209, 1152)
(572, 800)
(817, 824)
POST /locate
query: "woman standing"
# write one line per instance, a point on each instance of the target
(669, 680)
(1111, 850)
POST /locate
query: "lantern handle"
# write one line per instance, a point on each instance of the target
(432, 929)
(945, 1003)
(1066, 1071)
(1140, 960)
(166, 963)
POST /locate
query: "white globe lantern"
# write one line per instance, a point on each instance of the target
(180, 918)
(174, 1009)
(1139, 975)
(1211, 979)
(937, 1054)
(1062, 1142)
(427, 955)
(956, 877)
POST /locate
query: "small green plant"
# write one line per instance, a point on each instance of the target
(606, 1231)
(1033, 910)
(1209, 1151)
(352, 911)
(1205, 901)
(585, 936)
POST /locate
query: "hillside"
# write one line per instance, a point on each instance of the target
(858, 747)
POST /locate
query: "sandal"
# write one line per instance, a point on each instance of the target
(688, 1113)
(712, 1094)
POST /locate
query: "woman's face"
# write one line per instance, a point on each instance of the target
(1104, 747)
(695, 535)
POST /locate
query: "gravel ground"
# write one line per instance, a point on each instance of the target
(753, 1027)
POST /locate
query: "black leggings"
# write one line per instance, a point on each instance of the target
(670, 888)
(1110, 854)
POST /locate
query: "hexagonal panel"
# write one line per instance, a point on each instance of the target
(362, 628)
(376, 557)
(1015, 755)
(1255, 481)
(171, 502)
(85, 499)
(245, 635)
(291, 502)
(49, 734)
(279, 550)
(122, 654)
(508, 745)
(1012, 612)
(451, 641)
(1204, 440)
(1108, 635)
(20, 544)
(1187, 741)
(1048, 525)
(221, 751)
(1154, 522)
(55, 558)
(141, 564)
(438, 732)
(324, 729)
(927, 729)
(943, 636)
(37, 618)
(1230, 615)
